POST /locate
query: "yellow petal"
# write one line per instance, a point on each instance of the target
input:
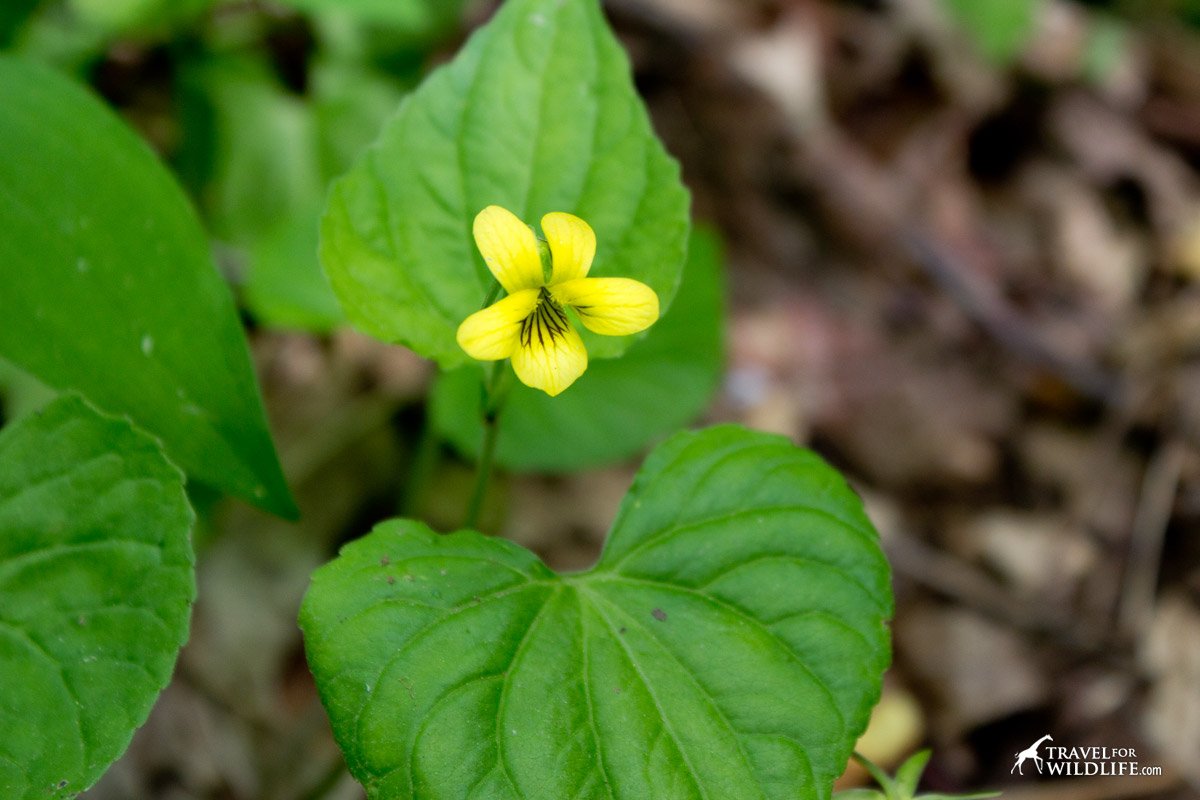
(509, 249)
(491, 334)
(612, 306)
(572, 245)
(549, 353)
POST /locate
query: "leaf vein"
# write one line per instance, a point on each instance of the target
(416, 637)
(666, 724)
(749, 619)
(587, 693)
(692, 678)
(508, 673)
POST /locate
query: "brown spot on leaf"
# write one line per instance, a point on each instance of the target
(659, 615)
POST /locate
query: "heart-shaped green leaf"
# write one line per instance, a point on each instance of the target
(729, 644)
(668, 377)
(96, 585)
(537, 113)
(108, 287)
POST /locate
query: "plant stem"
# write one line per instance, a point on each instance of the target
(485, 469)
(491, 405)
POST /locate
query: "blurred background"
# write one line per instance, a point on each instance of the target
(962, 247)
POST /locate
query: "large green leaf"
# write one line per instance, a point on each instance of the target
(729, 644)
(537, 113)
(108, 286)
(96, 585)
(619, 406)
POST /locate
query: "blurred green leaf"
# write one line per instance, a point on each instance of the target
(668, 377)
(908, 776)
(351, 104)
(108, 286)
(999, 28)
(729, 644)
(126, 16)
(904, 785)
(61, 40)
(274, 153)
(416, 19)
(265, 163)
(96, 585)
(285, 286)
(537, 113)
(1107, 45)
(13, 14)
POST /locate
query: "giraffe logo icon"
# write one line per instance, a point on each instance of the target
(1030, 752)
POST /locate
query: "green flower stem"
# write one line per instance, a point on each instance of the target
(491, 404)
(481, 477)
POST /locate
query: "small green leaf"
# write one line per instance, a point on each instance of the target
(537, 113)
(668, 378)
(729, 643)
(108, 286)
(885, 781)
(96, 585)
(908, 776)
(904, 785)
(999, 28)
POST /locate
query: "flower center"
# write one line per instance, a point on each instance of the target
(547, 322)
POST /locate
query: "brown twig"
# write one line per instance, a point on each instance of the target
(1139, 587)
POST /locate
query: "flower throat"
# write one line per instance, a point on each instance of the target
(548, 321)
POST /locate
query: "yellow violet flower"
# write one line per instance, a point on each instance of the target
(530, 325)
